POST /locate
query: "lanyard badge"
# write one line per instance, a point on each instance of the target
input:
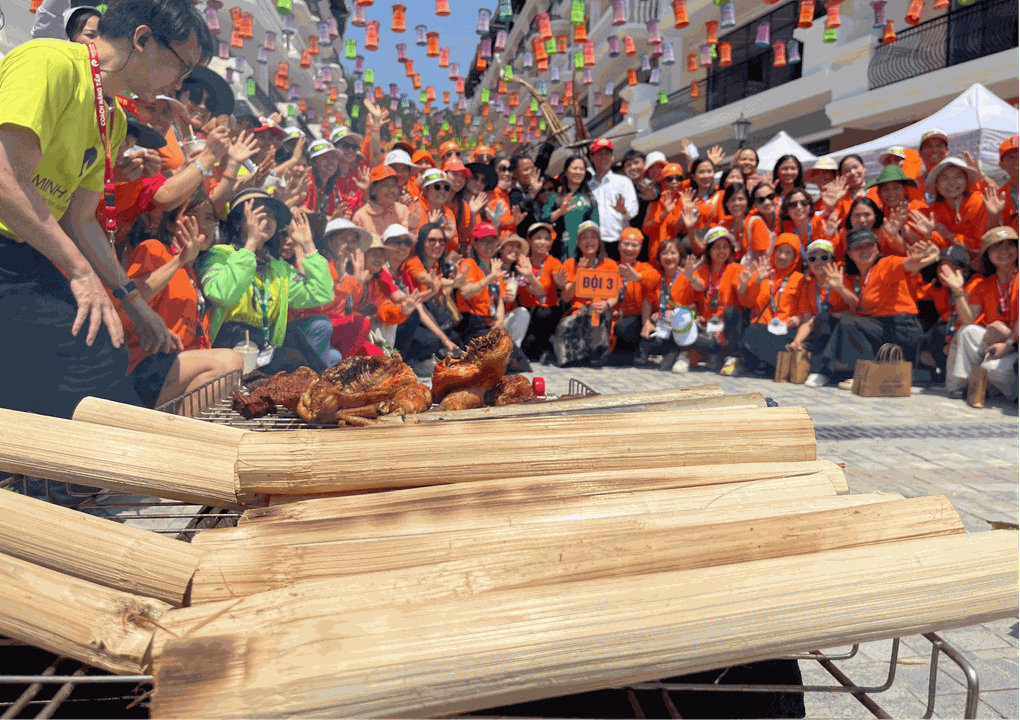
(109, 191)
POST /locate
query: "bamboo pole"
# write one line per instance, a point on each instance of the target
(616, 400)
(100, 551)
(105, 628)
(303, 462)
(128, 461)
(440, 658)
(572, 548)
(509, 494)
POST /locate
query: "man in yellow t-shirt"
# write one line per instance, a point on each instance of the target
(56, 263)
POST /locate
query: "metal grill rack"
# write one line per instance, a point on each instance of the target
(67, 688)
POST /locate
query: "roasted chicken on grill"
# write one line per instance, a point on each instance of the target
(512, 389)
(386, 382)
(481, 367)
(283, 389)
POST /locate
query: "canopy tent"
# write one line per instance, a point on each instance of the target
(782, 144)
(977, 121)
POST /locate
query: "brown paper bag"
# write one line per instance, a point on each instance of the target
(800, 366)
(783, 365)
(885, 376)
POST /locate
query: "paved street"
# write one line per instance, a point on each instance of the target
(922, 445)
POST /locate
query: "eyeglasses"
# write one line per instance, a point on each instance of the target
(441, 188)
(451, 153)
(185, 67)
(819, 258)
(503, 169)
(799, 203)
(763, 198)
(486, 159)
(674, 178)
(431, 239)
(350, 147)
(404, 242)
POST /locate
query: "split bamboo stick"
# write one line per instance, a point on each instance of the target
(129, 461)
(594, 402)
(440, 658)
(572, 549)
(100, 551)
(510, 494)
(179, 430)
(105, 628)
(302, 462)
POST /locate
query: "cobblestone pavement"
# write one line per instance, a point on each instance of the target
(926, 444)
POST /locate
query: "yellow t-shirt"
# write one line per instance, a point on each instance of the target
(46, 87)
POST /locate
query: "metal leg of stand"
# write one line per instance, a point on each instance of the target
(938, 645)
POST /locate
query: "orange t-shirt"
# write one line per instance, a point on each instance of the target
(944, 300)
(720, 290)
(570, 266)
(419, 215)
(681, 292)
(172, 153)
(349, 287)
(544, 272)
(887, 289)
(816, 231)
(177, 303)
(707, 208)
(741, 235)
(1009, 211)
(842, 208)
(967, 225)
(378, 293)
(669, 227)
(482, 303)
(414, 267)
(784, 294)
(811, 295)
(634, 293)
(993, 298)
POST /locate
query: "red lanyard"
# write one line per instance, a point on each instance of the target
(1004, 294)
(109, 191)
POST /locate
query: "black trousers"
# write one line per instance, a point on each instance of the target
(628, 334)
(295, 352)
(761, 346)
(735, 322)
(935, 342)
(414, 341)
(540, 331)
(858, 338)
(45, 369)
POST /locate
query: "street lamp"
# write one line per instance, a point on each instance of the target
(740, 127)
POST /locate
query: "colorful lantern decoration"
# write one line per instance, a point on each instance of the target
(668, 54)
(313, 44)
(712, 32)
(663, 98)
(830, 35)
(282, 75)
(446, 97)
(508, 74)
(529, 60)
(250, 87)
(589, 54)
(913, 12)
(727, 16)
(619, 12)
(505, 12)
(454, 71)
(779, 54)
(416, 81)
(334, 31)
(577, 12)
(725, 54)
(351, 48)
(212, 20)
(792, 52)
(500, 44)
(941, 4)
(692, 62)
(610, 87)
(288, 25)
(613, 45)
(484, 19)
(401, 52)
(442, 8)
(646, 62)
(624, 107)
(485, 49)
(680, 17)
(598, 99)
(444, 57)
(629, 48)
(706, 56)
(586, 77)
(409, 68)
(372, 36)
(294, 93)
(423, 97)
(320, 86)
(807, 14)
(764, 37)
(889, 35)
(323, 30)
(544, 26)
(263, 56)
(306, 59)
(695, 90)
(560, 46)
(394, 91)
(655, 76)
(460, 86)
(247, 26)
(283, 7)
(539, 48)
(236, 41)
(631, 77)
(580, 34)
(369, 76)
(224, 51)
(421, 39)
(433, 46)
(358, 18)
(654, 36)
(359, 65)
(399, 23)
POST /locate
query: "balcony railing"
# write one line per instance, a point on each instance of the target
(681, 106)
(641, 11)
(960, 35)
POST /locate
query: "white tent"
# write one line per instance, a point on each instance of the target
(976, 121)
(782, 144)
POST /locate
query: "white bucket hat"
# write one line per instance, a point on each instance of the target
(685, 329)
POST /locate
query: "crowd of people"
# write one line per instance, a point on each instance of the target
(208, 229)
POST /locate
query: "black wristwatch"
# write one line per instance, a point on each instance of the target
(129, 288)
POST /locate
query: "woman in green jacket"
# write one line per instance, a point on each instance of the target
(251, 288)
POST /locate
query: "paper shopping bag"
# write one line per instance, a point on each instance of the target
(888, 375)
(783, 358)
(800, 366)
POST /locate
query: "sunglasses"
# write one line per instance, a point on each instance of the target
(452, 153)
(503, 168)
(431, 239)
(819, 258)
(405, 242)
(674, 178)
(799, 203)
(441, 188)
(763, 198)
(349, 147)
(485, 159)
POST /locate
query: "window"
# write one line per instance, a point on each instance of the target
(752, 71)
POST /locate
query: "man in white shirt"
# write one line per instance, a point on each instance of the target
(614, 193)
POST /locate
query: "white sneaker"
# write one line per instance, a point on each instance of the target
(730, 367)
(682, 364)
(816, 380)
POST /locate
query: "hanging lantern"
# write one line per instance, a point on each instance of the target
(313, 44)
(534, 106)
(832, 14)
(282, 75)
(764, 37)
(706, 56)
(485, 96)
(539, 47)
(294, 93)
(646, 62)
(379, 94)
(631, 77)
(310, 114)
(446, 97)
(288, 25)
(394, 91)
(320, 86)
(680, 17)
(481, 65)
(779, 54)
(554, 99)
(576, 12)
(421, 39)
(941, 4)
(629, 48)
(668, 54)
(695, 90)
(442, 8)
(423, 97)
(224, 51)
(692, 62)
(401, 52)
(270, 43)
(399, 23)
(514, 100)
(250, 87)
(598, 99)
(359, 65)
(543, 88)
(568, 90)
(663, 98)
(433, 46)
(725, 54)
(619, 12)
(444, 57)
(409, 68)
(589, 54)
(792, 52)
(613, 44)
(560, 45)
(830, 35)
(712, 52)
(655, 76)
(624, 107)
(807, 14)
(529, 60)
(263, 56)
(454, 71)
(416, 81)
(485, 49)
(369, 76)
(610, 87)
(878, 10)
(358, 18)
(889, 35)
(508, 75)
(484, 19)
(230, 76)
(586, 77)
(501, 86)
(323, 30)
(334, 31)
(306, 59)
(351, 48)
(505, 12)
(580, 34)
(913, 12)
(283, 7)
(578, 61)
(544, 26)
(500, 44)
(213, 20)
(727, 16)
(460, 86)
(712, 32)
(236, 41)
(554, 73)
(542, 65)
(372, 36)
(247, 26)
(654, 36)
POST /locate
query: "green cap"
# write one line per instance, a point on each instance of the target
(893, 173)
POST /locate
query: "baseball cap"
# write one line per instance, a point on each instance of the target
(685, 330)
(718, 233)
(321, 147)
(823, 245)
(601, 144)
(860, 236)
(931, 135)
(433, 176)
(955, 254)
(448, 146)
(588, 225)
(398, 157)
(1012, 143)
(381, 172)
(454, 165)
(484, 229)
(892, 154)
(423, 156)
(342, 133)
(535, 227)
(395, 231)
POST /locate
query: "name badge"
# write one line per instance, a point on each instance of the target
(777, 326)
(715, 325)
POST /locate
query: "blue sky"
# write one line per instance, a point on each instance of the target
(457, 31)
